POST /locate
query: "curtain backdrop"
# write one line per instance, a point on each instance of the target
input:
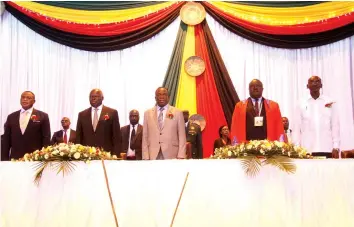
(62, 77)
(285, 72)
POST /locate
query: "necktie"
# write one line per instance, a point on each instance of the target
(24, 121)
(256, 108)
(65, 137)
(132, 137)
(286, 140)
(160, 118)
(95, 120)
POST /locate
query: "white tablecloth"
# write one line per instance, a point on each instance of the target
(145, 193)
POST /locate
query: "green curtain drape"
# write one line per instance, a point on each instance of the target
(171, 79)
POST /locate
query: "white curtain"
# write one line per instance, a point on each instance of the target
(285, 72)
(62, 77)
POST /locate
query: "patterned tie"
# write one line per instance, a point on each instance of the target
(132, 137)
(24, 118)
(160, 118)
(65, 137)
(256, 108)
(95, 120)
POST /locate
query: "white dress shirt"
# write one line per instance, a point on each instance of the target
(130, 151)
(163, 112)
(99, 110)
(316, 126)
(25, 116)
(67, 134)
(289, 134)
(260, 104)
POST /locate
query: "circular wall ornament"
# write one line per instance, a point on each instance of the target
(199, 120)
(192, 13)
(194, 66)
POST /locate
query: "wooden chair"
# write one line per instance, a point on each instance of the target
(348, 154)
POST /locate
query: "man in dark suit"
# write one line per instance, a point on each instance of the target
(194, 137)
(26, 130)
(66, 135)
(98, 126)
(132, 137)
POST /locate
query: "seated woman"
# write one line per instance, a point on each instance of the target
(224, 139)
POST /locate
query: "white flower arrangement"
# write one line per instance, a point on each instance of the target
(257, 153)
(63, 155)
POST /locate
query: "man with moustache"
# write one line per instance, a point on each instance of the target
(316, 125)
(26, 130)
(256, 118)
(66, 135)
(132, 136)
(164, 135)
(98, 125)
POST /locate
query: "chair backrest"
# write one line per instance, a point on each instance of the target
(348, 154)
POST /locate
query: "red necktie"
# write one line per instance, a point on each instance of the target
(256, 108)
(65, 137)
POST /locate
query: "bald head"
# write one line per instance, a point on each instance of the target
(161, 96)
(134, 117)
(96, 97)
(255, 88)
(314, 84)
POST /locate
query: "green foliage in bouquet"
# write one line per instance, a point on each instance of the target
(257, 153)
(61, 158)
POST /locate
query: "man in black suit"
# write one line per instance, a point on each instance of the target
(98, 126)
(132, 137)
(194, 137)
(26, 130)
(66, 135)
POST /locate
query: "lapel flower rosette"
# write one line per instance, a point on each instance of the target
(329, 105)
(170, 115)
(34, 117)
(62, 157)
(257, 153)
(106, 117)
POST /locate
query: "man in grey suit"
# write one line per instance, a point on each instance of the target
(164, 135)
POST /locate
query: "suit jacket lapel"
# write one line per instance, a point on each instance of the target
(30, 121)
(139, 130)
(88, 116)
(154, 116)
(71, 135)
(169, 110)
(103, 112)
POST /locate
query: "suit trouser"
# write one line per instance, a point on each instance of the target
(160, 155)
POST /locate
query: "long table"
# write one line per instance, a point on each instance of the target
(145, 193)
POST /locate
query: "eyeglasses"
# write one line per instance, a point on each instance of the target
(62, 121)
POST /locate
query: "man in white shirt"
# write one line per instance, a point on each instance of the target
(66, 135)
(317, 122)
(98, 125)
(287, 131)
(26, 130)
(132, 136)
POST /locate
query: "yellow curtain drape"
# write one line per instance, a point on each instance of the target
(92, 17)
(287, 15)
(187, 91)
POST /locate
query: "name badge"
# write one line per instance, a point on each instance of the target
(258, 121)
